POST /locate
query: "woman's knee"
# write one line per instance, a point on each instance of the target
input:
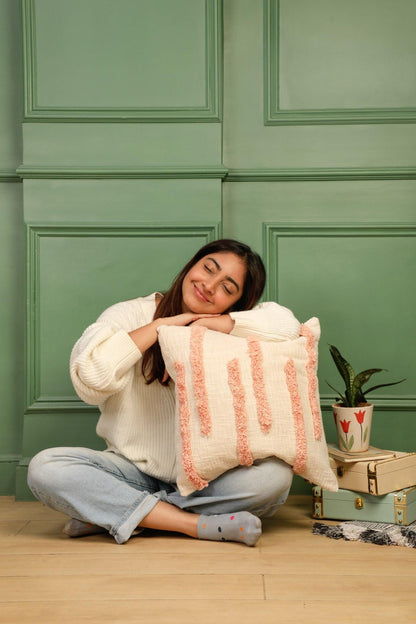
(44, 469)
(270, 481)
(40, 468)
(272, 476)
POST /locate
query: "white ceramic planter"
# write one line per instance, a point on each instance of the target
(353, 427)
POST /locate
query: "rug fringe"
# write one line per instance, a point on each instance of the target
(381, 534)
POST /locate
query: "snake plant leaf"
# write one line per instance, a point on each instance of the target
(341, 396)
(354, 392)
(357, 394)
(358, 397)
(350, 394)
(393, 383)
(365, 375)
(345, 369)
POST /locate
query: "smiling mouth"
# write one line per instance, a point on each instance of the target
(200, 295)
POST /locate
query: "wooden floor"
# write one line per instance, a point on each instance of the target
(290, 576)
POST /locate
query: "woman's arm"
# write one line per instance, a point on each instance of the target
(103, 359)
(102, 362)
(222, 323)
(267, 321)
(144, 337)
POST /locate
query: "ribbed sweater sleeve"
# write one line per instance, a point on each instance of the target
(267, 321)
(137, 420)
(102, 360)
(104, 366)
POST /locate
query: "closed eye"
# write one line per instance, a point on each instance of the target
(216, 267)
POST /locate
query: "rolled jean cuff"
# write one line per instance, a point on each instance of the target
(132, 518)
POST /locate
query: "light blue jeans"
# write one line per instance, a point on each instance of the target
(103, 488)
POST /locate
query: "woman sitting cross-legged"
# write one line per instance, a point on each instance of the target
(117, 365)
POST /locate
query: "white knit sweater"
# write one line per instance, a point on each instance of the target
(138, 420)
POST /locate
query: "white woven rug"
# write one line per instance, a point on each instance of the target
(371, 532)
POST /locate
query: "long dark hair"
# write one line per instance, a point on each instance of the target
(153, 366)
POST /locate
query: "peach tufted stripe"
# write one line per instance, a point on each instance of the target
(245, 457)
(264, 412)
(184, 419)
(292, 384)
(311, 367)
(198, 372)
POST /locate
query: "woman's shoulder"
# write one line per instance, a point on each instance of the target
(265, 309)
(132, 312)
(268, 320)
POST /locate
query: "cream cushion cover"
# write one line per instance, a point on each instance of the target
(242, 399)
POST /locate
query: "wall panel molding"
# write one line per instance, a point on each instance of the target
(210, 111)
(35, 232)
(10, 458)
(258, 174)
(274, 232)
(255, 174)
(97, 173)
(320, 173)
(275, 115)
(8, 466)
(9, 176)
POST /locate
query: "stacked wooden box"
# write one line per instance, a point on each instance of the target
(374, 486)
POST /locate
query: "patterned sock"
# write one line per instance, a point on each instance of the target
(78, 528)
(238, 527)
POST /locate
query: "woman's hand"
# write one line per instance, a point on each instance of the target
(222, 323)
(217, 322)
(187, 318)
(144, 337)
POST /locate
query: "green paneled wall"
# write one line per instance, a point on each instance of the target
(301, 143)
(12, 331)
(75, 264)
(122, 173)
(11, 246)
(11, 95)
(134, 60)
(146, 129)
(320, 144)
(329, 61)
(128, 33)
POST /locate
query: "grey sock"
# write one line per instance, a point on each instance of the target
(78, 528)
(237, 527)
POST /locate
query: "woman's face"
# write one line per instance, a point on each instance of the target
(214, 284)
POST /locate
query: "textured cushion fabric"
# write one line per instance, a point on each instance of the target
(242, 399)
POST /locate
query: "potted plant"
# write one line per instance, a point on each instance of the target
(352, 412)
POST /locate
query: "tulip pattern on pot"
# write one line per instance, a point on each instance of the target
(352, 412)
(345, 424)
(360, 419)
(353, 427)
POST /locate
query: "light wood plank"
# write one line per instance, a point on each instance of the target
(331, 587)
(47, 537)
(10, 528)
(205, 612)
(33, 510)
(304, 542)
(249, 561)
(98, 564)
(291, 575)
(111, 587)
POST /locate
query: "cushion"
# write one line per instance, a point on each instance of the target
(241, 399)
